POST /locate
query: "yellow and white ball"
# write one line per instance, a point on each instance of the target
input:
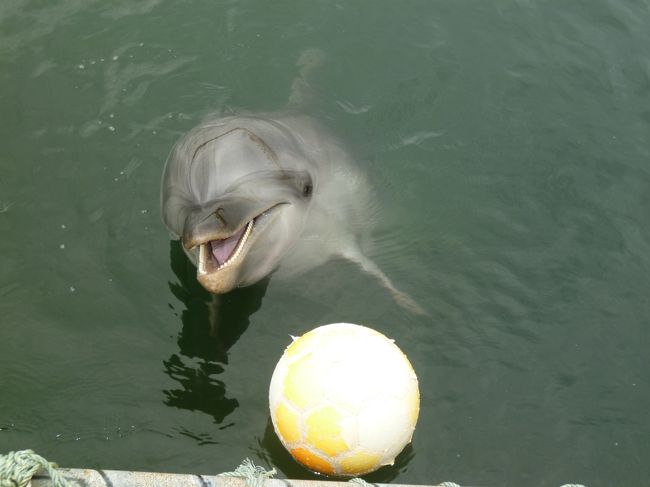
(344, 400)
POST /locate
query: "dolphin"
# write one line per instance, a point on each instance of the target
(255, 194)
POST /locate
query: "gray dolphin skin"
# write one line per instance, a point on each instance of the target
(254, 194)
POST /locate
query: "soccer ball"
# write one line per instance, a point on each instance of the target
(344, 400)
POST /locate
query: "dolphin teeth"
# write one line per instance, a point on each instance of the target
(203, 251)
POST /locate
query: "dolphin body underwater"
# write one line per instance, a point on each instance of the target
(250, 195)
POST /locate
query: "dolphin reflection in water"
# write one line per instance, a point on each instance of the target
(253, 194)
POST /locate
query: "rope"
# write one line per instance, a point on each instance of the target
(18, 467)
(360, 481)
(253, 475)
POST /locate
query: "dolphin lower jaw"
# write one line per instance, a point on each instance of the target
(208, 262)
(216, 277)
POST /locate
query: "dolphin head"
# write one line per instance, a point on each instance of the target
(236, 209)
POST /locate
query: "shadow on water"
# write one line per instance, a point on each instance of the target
(274, 454)
(211, 326)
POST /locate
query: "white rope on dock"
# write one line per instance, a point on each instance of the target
(254, 475)
(112, 478)
(18, 467)
(27, 469)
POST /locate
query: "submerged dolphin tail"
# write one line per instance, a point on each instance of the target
(302, 93)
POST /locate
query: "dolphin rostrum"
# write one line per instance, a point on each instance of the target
(253, 194)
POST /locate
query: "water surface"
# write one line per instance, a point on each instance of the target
(508, 143)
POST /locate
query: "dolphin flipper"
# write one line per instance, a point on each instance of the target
(355, 255)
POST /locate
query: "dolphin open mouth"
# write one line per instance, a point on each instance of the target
(214, 255)
(221, 254)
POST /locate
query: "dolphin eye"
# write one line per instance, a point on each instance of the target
(307, 189)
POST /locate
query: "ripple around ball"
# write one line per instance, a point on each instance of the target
(344, 400)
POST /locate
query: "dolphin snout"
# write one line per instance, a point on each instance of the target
(221, 219)
(204, 225)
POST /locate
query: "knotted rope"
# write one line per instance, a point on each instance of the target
(18, 467)
(253, 475)
(360, 482)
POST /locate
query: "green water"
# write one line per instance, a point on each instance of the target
(509, 143)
